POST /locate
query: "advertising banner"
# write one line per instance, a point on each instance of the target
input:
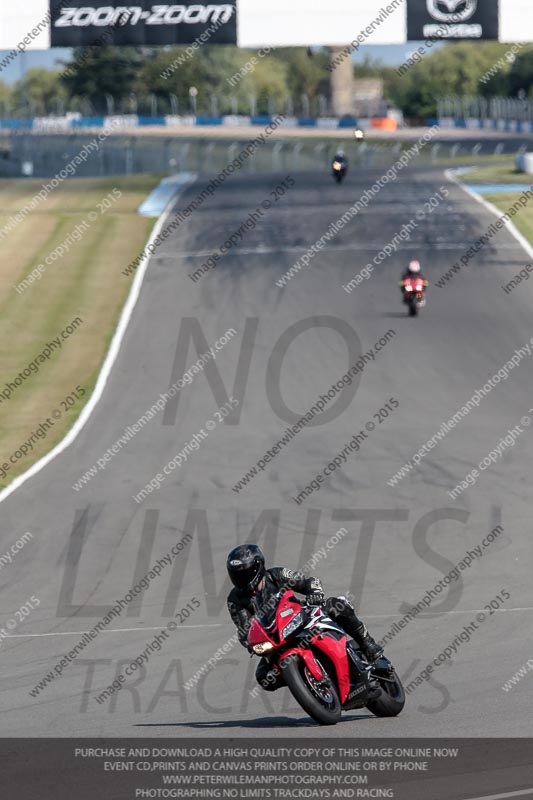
(452, 19)
(80, 23)
(251, 23)
(302, 23)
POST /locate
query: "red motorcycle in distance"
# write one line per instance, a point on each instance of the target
(325, 670)
(414, 293)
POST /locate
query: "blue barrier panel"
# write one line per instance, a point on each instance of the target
(262, 119)
(348, 122)
(460, 123)
(208, 121)
(18, 124)
(430, 123)
(88, 122)
(496, 188)
(307, 122)
(152, 120)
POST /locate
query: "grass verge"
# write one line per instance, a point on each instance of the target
(61, 294)
(467, 160)
(506, 173)
(500, 173)
(523, 219)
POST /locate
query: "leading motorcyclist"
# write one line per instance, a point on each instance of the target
(252, 582)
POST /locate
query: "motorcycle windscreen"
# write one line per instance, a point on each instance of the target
(266, 602)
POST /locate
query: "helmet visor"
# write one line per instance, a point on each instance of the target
(243, 577)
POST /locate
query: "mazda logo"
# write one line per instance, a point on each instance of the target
(451, 10)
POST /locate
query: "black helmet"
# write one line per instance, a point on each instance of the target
(246, 566)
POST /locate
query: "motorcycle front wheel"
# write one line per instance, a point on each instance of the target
(392, 698)
(319, 699)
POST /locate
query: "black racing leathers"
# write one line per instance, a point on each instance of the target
(242, 604)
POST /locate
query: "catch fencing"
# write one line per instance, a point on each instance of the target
(45, 155)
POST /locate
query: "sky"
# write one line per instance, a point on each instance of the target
(33, 58)
(390, 54)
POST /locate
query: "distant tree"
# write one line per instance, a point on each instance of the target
(228, 74)
(369, 68)
(521, 73)
(416, 98)
(39, 92)
(6, 98)
(455, 69)
(175, 70)
(267, 82)
(99, 71)
(305, 74)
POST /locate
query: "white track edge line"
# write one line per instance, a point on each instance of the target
(509, 224)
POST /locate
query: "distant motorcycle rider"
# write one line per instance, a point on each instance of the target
(250, 578)
(412, 271)
(340, 157)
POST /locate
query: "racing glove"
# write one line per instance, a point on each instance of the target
(315, 598)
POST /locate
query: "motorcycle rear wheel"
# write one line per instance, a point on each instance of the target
(320, 702)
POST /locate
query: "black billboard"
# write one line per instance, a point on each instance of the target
(452, 19)
(77, 23)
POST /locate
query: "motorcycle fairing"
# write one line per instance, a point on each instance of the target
(309, 660)
(257, 634)
(336, 650)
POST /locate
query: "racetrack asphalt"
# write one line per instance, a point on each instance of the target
(90, 546)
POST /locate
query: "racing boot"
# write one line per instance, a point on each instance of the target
(268, 676)
(358, 631)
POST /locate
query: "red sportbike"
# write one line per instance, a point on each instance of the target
(324, 669)
(414, 293)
